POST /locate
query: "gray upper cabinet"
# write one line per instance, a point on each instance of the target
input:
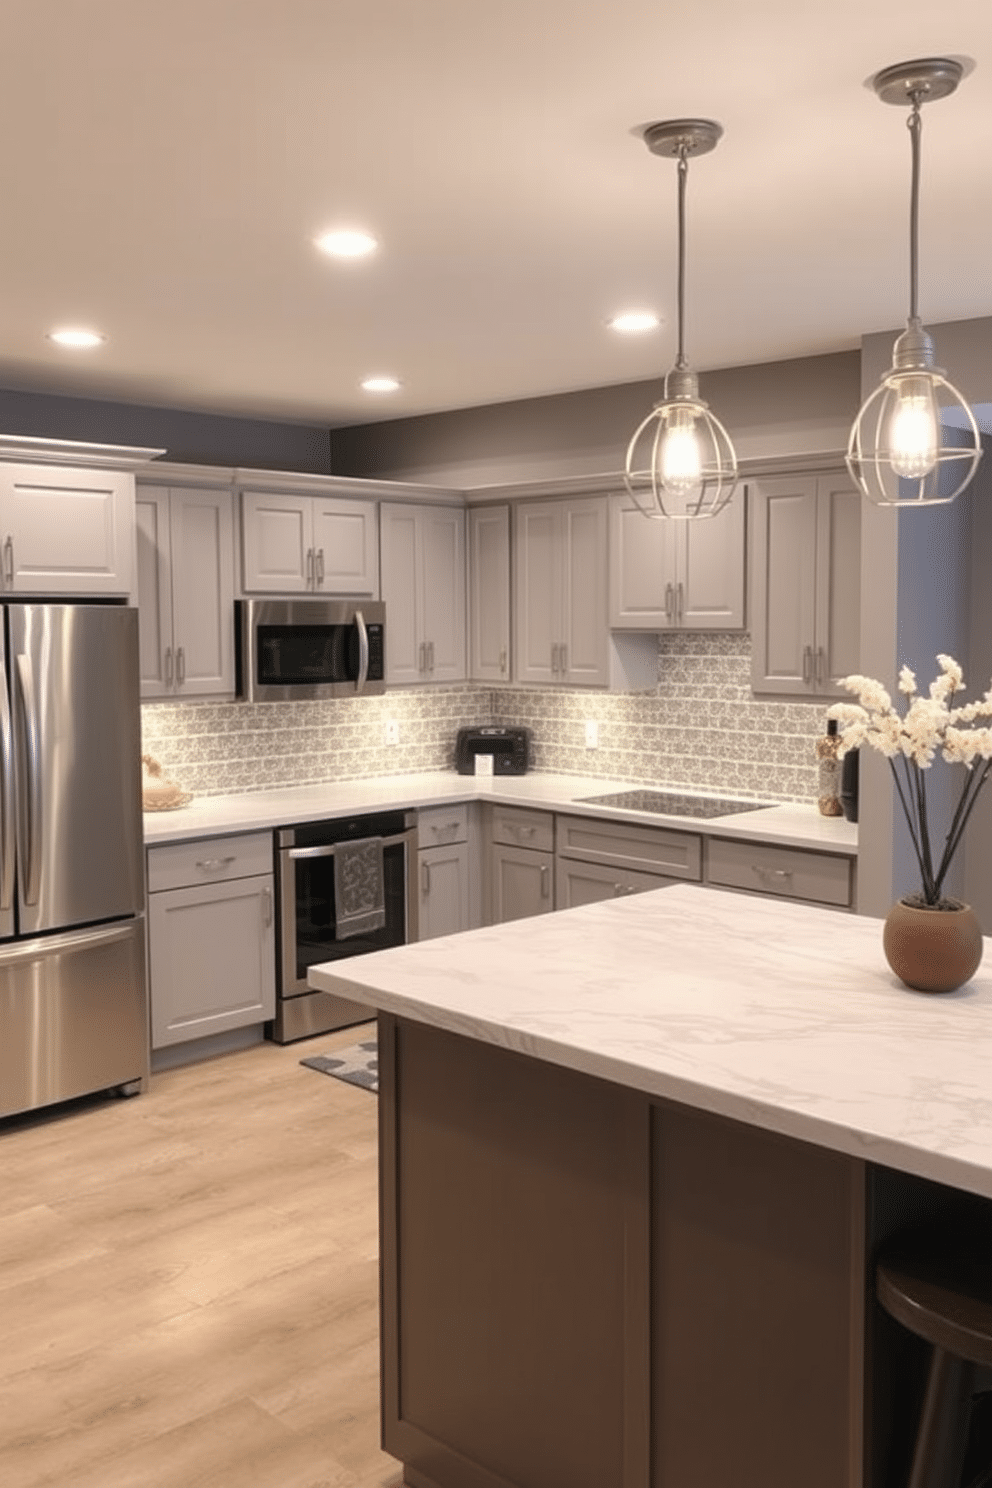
(185, 544)
(66, 530)
(805, 584)
(423, 588)
(297, 544)
(561, 611)
(489, 593)
(671, 575)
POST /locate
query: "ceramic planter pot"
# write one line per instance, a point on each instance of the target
(932, 950)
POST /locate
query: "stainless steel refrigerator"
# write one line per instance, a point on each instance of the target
(73, 1001)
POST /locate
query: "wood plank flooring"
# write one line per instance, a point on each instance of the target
(189, 1283)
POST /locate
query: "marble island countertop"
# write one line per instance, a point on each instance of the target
(781, 1015)
(788, 825)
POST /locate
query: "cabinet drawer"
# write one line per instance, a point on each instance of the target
(649, 849)
(439, 825)
(786, 872)
(177, 865)
(519, 827)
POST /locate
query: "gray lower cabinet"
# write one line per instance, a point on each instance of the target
(589, 883)
(521, 863)
(443, 862)
(211, 936)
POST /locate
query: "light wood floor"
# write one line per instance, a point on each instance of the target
(188, 1284)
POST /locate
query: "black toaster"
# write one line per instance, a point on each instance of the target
(509, 747)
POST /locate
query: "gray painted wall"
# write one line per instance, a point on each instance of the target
(779, 408)
(922, 577)
(187, 437)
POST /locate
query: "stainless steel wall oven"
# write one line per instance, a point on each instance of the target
(309, 925)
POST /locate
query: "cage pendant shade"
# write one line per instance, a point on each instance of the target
(680, 461)
(915, 441)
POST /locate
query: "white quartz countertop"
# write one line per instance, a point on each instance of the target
(787, 825)
(779, 1014)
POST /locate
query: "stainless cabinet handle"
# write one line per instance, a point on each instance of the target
(554, 658)
(502, 659)
(669, 602)
(309, 568)
(807, 663)
(320, 567)
(776, 875)
(422, 663)
(168, 666)
(563, 658)
(214, 865)
(544, 881)
(8, 563)
(821, 665)
(519, 831)
(30, 844)
(425, 879)
(180, 666)
(430, 656)
(681, 599)
(266, 907)
(617, 890)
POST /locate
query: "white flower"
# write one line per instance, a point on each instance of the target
(907, 681)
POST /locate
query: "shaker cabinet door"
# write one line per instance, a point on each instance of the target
(66, 531)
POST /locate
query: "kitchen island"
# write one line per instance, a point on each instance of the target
(635, 1159)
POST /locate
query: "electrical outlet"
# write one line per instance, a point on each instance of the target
(392, 731)
(592, 734)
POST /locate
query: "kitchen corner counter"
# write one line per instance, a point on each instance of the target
(787, 825)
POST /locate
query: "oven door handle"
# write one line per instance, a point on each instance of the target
(327, 850)
(363, 652)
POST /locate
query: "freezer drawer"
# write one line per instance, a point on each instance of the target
(73, 1015)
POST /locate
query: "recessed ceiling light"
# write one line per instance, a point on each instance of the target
(76, 337)
(380, 384)
(346, 242)
(632, 321)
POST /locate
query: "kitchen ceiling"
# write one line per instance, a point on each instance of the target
(166, 168)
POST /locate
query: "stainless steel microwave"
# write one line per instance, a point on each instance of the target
(290, 649)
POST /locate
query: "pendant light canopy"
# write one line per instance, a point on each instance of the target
(915, 441)
(680, 461)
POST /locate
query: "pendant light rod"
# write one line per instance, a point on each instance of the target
(915, 126)
(680, 361)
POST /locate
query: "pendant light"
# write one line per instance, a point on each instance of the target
(680, 461)
(898, 452)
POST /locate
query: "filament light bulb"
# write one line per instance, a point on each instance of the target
(913, 434)
(681, 460)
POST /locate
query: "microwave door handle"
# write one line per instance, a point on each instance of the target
(32, 852)
(363, 652)
(6, 798)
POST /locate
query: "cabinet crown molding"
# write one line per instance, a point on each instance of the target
(345, 485)
(30, 451)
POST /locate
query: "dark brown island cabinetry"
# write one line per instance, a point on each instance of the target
(583, 1285)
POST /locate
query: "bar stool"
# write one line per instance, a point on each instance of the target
(937, 1282)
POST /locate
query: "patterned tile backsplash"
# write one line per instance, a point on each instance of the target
(700, 728)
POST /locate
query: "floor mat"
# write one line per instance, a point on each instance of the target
(358, 1064)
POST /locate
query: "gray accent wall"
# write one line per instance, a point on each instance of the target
(780, 408)
(923, 578)
(186, 436)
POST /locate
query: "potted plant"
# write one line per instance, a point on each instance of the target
(932, 942)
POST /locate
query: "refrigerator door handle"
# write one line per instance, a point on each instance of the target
(31, 846)
(6, 799)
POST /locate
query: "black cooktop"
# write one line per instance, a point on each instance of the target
(670, 803)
